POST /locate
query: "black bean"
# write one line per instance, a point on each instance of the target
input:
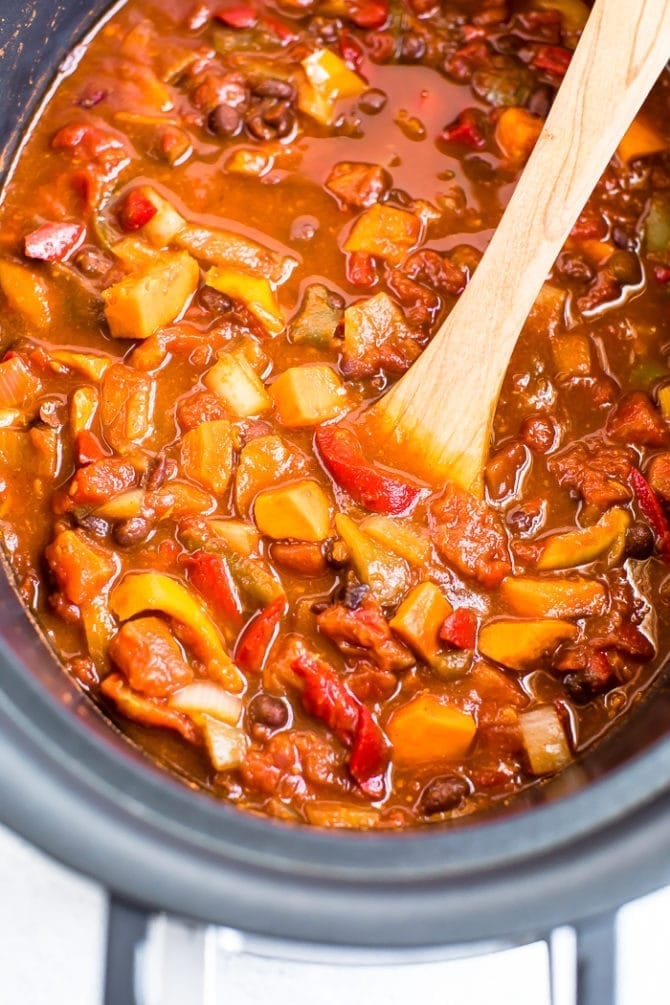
(224, 121)
(157, 473)
(94, 525)
(578, 688)
(442, 794)
(211, 300)
(640, 541)
(354, 593)
(258, 128)
(266, 710)
(623, 240)
(541, 101)
(274, 88)
(132, 531)
(373, 101)
(412, 48)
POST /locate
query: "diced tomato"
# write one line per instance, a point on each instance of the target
(101, 480)
(369, 13)
(635, 419)
(651, 509)
(88, 448)
(88, 143)
(552, 59)
(136, 210)
(149, 657)
(237, 17)
(466, 129)
(350, 50)
(258, 636)
(210, 575)
(361, 269)
(326, 697)
(367, 484)
(662, 273)
(460, 629)
(148, 711)
(53, 242)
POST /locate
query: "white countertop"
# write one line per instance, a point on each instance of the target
(52, 943)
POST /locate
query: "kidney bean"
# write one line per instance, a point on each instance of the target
(132, 531)
(266, 710)
(443, 794)
(224, 121)
(272, 87)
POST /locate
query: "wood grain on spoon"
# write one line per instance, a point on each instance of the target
(436, 421)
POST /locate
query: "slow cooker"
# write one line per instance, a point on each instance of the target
(564, 852)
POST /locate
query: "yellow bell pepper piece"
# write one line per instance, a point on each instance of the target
(399, 538)
(517, 132)
(426, 730)
(26, 293)
(532, 597)
(419, 619)
(255, 292)
(155, 591)
(519, 644)
(299, 510)
(578, 547)
(328, 79)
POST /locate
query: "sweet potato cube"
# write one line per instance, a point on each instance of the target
(126, 406)
(26, 293)
(139, 305)
(572, 355)
(532, 597)
(517, 132)
(233, 379)
(328, 78)
(254, 291)
(207, 455)
(641, 140)
(520, 644)
(419, 619)
(308, 395)
(299, 510)
(385, 232)
(427, 730)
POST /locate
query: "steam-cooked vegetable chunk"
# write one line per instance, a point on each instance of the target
(140, 305)
(298, 510)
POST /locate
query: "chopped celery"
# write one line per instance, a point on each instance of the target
(319, 317)
(387, 575)
(233, 379)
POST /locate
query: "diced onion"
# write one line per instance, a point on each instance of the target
(227, 745)
(545, 740)
(205, 698)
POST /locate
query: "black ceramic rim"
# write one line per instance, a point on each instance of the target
(81, 791)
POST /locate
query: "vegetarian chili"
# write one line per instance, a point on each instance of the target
(233, 227)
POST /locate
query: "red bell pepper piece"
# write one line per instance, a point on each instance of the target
(369, 13)
(258, 636)
(326, 697)
(465, 129)
(136, 210)
(237, 17)
(460, 629)
(552, 59)
(367, 484)
(53, 242)
(211, 577)
(652, 511)
(89, 448)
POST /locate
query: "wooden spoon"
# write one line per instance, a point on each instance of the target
(436, 421)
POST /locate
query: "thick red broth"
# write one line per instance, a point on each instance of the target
(235, 225)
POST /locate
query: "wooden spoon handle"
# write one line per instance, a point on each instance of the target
(443, 407)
